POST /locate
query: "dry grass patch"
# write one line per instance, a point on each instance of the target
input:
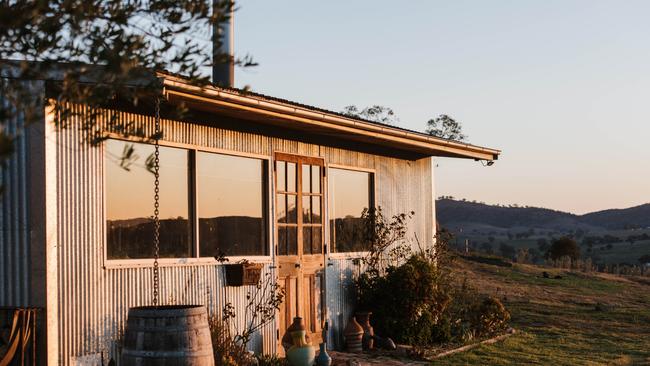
(586, 319)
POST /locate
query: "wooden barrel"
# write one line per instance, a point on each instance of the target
(167, 335)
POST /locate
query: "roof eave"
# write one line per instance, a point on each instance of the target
(210, 97)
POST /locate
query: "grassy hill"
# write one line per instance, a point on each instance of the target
(487, 228)
(581, 319)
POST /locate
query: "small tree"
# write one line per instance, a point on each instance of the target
(644, 259)
(375, 113)
(446, 127)
(564, 247)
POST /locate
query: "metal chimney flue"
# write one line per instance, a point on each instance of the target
(223, 54)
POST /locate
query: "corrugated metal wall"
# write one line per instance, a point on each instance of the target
(401, 187)
(14, 219)
(94, 300)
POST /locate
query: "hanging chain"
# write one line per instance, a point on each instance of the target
(156, 205)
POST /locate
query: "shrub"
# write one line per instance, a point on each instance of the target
(417, 302)
(271, 360)
(431, 310)
(229, 342)
(408, 302)
(490, 317)
(382, 238)
(227, 352)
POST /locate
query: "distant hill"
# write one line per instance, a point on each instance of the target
(452, 213)
(633, 217)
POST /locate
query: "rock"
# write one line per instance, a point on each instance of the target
(385, 343)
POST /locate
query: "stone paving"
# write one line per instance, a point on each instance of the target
(372, 358)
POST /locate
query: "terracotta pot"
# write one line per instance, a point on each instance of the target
(353, 334)
(367, 340)
(298, 324)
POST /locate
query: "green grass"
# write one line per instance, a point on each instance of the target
(623, 252)
(558, 320)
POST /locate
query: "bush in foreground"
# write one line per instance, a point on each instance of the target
(415, 303)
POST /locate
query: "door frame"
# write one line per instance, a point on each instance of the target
(300, 160)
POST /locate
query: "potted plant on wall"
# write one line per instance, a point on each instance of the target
(243, 273)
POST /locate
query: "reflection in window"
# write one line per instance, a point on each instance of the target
(231, 210)
(130, 201)
(311, 209)
(350, 192)
(287, 207)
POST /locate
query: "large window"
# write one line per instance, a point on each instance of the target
(130, 198)
(350, 193)
(210, 204)
(231, 206)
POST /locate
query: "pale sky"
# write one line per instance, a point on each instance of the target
(562, 87)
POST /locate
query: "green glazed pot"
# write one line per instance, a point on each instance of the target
(301, 356)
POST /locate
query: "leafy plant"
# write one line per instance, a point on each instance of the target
(417, 301)
(382, 237)
(227, 352)
(229, 340)
(99, 54)
(491, 316)
(407, 302)
(271, 360)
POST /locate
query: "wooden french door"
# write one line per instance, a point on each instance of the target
(299, 237)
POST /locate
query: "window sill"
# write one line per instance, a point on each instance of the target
(347, 255)
(181, 262)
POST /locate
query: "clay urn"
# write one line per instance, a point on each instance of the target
(367, 341)
(297, 325)
(353, 334)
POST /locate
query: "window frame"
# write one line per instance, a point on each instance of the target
(299, 160)
(193, 198)
(373, 191)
